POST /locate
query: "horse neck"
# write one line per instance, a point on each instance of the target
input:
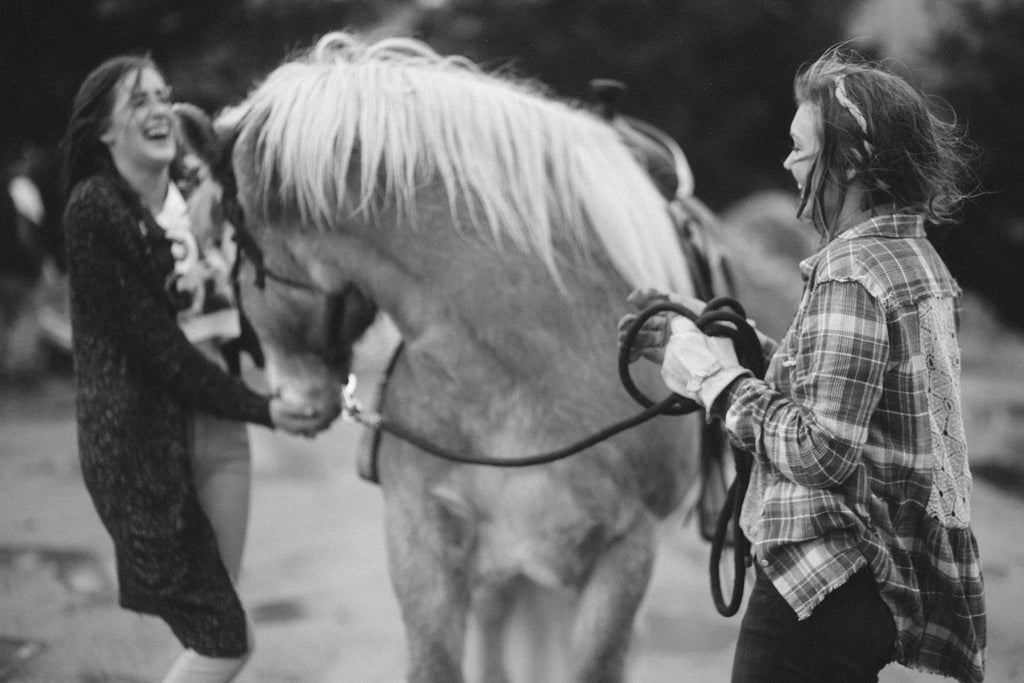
(494, 350)
(457, 296)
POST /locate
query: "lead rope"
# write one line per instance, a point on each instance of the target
(722, 317)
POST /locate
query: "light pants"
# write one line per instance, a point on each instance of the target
(221, 467)
(192, 667)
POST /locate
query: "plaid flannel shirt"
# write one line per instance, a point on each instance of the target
(857, 437)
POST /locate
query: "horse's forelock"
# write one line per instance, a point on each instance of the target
(527, 167)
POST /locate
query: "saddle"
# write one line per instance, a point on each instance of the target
(658, 153)
(668, 168)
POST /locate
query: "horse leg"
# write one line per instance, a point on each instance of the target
(427, 544)
(609, 603)
(492, 606)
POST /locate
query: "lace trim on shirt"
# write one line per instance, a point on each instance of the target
(949, 501)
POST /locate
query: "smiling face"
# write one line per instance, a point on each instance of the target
(140, 135)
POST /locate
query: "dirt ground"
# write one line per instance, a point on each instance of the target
(315, 575)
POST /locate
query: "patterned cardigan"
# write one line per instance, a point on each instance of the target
(139, 381)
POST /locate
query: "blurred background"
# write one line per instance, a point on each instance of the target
(714, 74)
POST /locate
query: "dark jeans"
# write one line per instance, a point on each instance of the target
(849, 637)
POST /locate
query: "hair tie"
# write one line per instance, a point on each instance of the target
(845, 100)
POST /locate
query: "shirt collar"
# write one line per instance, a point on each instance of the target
(173, 216)
(892, 226)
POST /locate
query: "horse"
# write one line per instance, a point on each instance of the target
(500, 229)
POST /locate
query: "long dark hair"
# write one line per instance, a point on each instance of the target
(84, 154)
(880, 130)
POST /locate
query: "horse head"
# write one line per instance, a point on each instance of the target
(306, 316)
(307, 330)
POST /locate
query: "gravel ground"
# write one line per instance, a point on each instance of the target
(315, 574)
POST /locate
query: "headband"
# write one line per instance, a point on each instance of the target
(858, 116)
(854, 110)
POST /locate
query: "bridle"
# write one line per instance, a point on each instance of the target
(249, 248)
(722, 316)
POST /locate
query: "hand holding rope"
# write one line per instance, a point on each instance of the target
(722, 317)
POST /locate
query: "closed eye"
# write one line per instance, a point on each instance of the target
(140, 97)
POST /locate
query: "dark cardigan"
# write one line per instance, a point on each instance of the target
(139, 381)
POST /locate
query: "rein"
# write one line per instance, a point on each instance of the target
(722, 316)
(712, 321)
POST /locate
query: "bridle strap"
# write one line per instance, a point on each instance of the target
(250, 248)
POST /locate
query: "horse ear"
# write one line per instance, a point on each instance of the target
(195, 131)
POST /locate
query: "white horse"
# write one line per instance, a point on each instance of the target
(501, 230)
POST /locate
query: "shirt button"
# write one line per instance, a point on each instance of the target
(763, 563)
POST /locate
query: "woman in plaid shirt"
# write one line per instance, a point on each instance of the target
(859, 503)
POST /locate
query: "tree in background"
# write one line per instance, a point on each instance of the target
(212, 50)
(715, 74)
(977, 63)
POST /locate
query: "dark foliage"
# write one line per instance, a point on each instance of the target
(979, 58)
(714, 74)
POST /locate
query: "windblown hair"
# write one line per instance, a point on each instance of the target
(520, 164)
(84, 154)
(880, 130)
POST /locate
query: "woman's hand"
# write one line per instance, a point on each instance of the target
(301, 419)
(650, 341)
(697, 366)
(648, 296)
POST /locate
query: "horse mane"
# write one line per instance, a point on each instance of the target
(526, 167)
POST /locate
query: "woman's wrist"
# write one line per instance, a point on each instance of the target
(721, 405)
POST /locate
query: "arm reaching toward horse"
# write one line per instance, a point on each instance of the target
(699, 366)
(653, 336)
